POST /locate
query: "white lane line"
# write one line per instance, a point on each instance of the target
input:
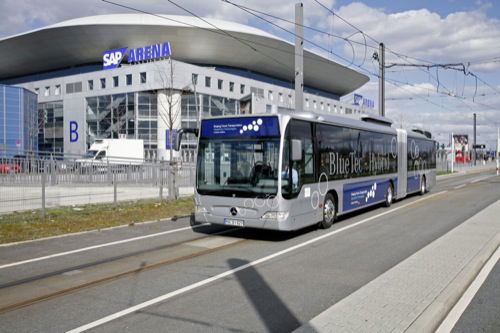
(456, 312)
(459, 186)
(174, 293)
(60, 254)
(480, 179)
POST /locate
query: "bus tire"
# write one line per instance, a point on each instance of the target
(423, 186)
(389, 195)
(329, 211)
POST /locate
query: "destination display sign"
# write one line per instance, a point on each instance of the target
(236, 127)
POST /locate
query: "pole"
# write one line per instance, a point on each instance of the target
(452, 152)
(44, 170)
(381, 80)
(115, 196)
(161, 179)
(498, 151)
(474, 144)
(196, 103)
(299, 59)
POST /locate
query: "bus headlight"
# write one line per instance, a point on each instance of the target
(280, 216)
(200, 209)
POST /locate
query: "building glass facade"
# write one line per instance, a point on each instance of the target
(51, 127)
(18, 121)
(128, 115)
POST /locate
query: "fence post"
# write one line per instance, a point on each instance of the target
(109, 171)
(52, 170)
(161, 179)
(43, 189)
(115, 199)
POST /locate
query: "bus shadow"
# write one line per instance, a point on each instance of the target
(272, 310)
(249, 233)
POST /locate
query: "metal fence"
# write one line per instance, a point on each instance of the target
(36, 182)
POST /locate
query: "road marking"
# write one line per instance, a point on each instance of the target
(456, 312)
(480, 179)
(177, 292)
(60, 254)
(459, 186)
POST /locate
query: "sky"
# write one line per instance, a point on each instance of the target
(416, 32)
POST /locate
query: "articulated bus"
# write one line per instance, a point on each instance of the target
(290, 170)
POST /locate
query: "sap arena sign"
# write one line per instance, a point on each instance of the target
(113, 58)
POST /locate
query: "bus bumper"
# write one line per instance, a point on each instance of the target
(282, 225)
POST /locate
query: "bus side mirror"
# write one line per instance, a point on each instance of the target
(296, 150)
(178, 136)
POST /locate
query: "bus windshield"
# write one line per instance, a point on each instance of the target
(238, 167)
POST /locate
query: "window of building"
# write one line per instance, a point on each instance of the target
(194, 79)
(46, 91)
(37, 90)
(77, 87)
(219, 84)
(242, 88)
(321, 106)
(208, 81)
(51, 125)
(90, 84)
(329, 109)
(103, 83)
(270, 95)
(114, 116)
(290, 101)
(307, 102)
(129, 79)
(115, 81)
(73, 87)
(143, 77)
(314, 105)
(281, 97)
(57, 90)
(231, 86)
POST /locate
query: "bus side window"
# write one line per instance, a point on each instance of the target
(301, 172)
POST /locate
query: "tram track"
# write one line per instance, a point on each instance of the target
(17, 294)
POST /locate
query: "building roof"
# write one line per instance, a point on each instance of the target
(81, 41)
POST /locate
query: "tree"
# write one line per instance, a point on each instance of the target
(169, 103)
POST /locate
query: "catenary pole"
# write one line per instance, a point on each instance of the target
(299, 59)
(381, 80)
(452, 152)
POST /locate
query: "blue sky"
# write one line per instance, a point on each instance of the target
(440, 31)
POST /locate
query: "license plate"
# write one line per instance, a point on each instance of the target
(234, 222)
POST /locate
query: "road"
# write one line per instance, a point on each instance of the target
(168, 277)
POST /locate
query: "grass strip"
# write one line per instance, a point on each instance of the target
(28, 225)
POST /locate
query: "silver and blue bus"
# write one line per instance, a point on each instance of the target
(290, 170)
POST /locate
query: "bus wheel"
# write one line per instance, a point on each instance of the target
(329, 212)
(423, 187)
(389, 195)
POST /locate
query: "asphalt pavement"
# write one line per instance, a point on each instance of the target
(167, 276)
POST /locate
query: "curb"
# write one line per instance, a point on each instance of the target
(430, 319)
(465, 172)
(168, 219)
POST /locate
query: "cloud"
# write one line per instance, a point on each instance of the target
(20, 16)
(458, 37)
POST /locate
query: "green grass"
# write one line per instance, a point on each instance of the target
(31, 225)
(440, 173)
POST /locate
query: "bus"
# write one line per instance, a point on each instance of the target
(290, 170)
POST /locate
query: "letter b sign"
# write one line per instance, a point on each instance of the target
(73, 131)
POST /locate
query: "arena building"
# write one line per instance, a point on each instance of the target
(141, 76)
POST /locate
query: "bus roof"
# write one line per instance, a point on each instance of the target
(333, 119)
